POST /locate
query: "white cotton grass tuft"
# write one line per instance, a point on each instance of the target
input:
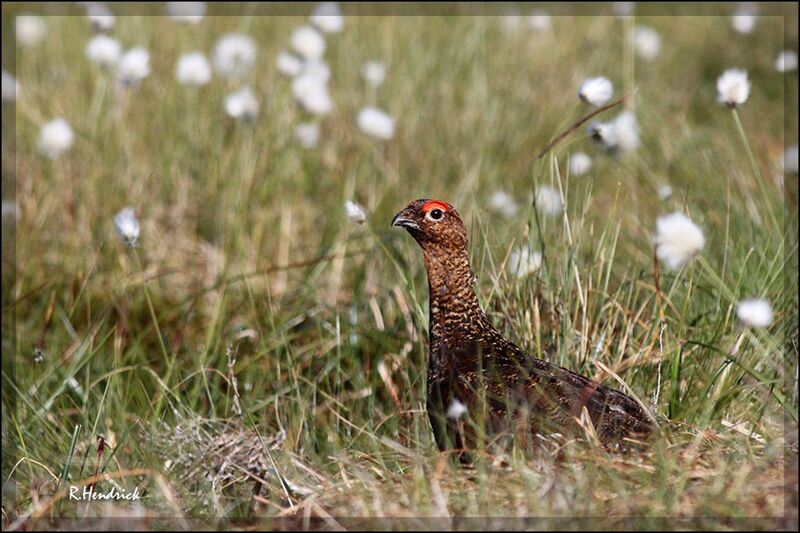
(242, 104)
(596, 91)
(665, 192)
(307, 134)
(100, 17)
(619, 135)
(307, 42)
(627, 131)
(133, 66)
(376, 123)
(354, 212)
(318, 69)
(55, 138)
(548, 200)
(744, 20)
(677, 240)
(288, 64)
(456, 409)
(193, 69)
(103, 50)
(373, 72)
(127, 227)
(234, 55)
(312, 93)
(789, 162)
(10, 209)
(11, 87)
(523, 261)
(787, 61)
(503, 203)
(186, 12)
(30, 29)
(328, 17)
(604, 134)
(579, 164)
(733, 87)
(539, 20)
(646, 42)
(755, 312)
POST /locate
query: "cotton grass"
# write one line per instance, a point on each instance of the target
(678, 239)
(193, 69)
(55, 138)
(376, 123)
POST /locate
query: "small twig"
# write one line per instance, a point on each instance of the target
(578, 124)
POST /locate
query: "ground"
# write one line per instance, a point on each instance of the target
(256, 331)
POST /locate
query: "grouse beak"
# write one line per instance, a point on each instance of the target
(402, 221)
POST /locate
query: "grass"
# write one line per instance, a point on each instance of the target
(253, 307)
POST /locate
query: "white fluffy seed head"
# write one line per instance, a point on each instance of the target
(103, 50)
(665, 192)
(744, 20)
(787, 61)
(548, 200)
(308, 42)
(579, 164)
(55, 138)
(242, 104)
(328, 17)
(30, 29)
(288, 64)
(312, 93)
(307, 134)
(596, 91)
(234, 55)
(100, 17)
(755, 312)
(186, 12)
(523, 261)
(193, 69)
(318, 69)
(11, 87)
(646, 42)
(503, 203)
(127, 227)
(354, 212)
(373, 72)
(376, 123)
(133, 66)
(627, 131)
(678, 239)
(539, 20)
(733, 87)
(605, 134)
(456, 410)
(789, 162)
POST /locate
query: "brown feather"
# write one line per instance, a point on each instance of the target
(472, 363)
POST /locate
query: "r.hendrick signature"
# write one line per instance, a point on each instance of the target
(88, 493)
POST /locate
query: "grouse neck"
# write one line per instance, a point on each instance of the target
(454, 307)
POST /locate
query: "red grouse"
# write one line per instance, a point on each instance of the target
(476, 374)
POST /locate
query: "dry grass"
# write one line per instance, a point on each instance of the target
(254, 273)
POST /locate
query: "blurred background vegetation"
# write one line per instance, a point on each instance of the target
(248, 267)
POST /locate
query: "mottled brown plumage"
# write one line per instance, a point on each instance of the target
(471, 364)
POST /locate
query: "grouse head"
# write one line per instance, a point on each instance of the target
(434, 224)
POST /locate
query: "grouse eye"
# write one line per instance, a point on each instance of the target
(435, 214)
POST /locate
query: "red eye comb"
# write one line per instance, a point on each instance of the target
(435, 204)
